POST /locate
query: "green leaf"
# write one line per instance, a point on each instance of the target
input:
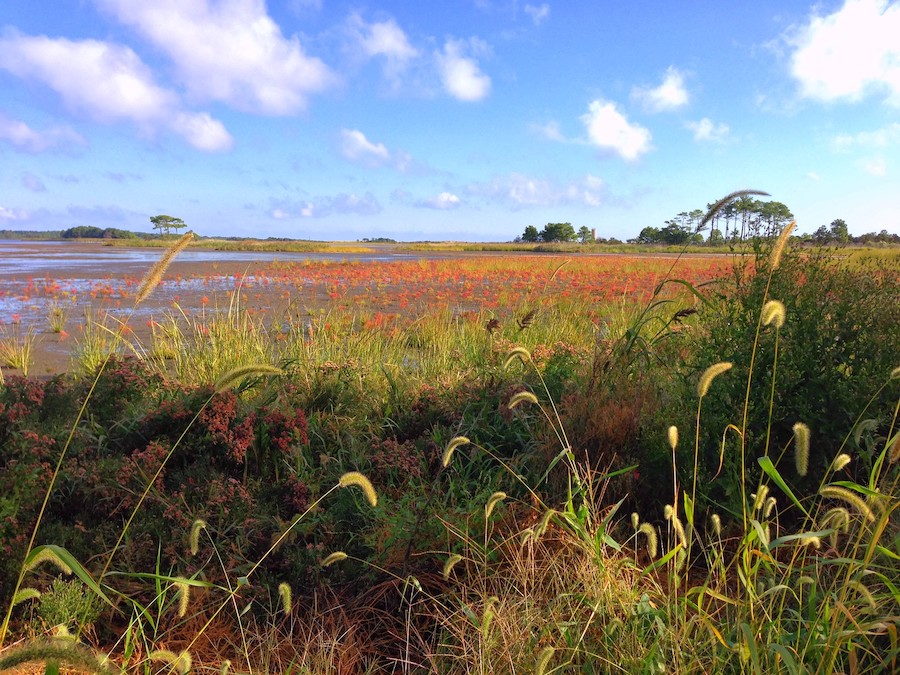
(766, 464)
(76, 567)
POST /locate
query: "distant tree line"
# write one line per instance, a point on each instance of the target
(553, 232)
(90, 232)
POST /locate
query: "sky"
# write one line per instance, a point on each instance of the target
(444, 120)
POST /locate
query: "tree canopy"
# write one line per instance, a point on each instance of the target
(165, 223)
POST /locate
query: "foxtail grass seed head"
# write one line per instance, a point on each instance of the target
(672, 435)
(894, 454)
(450, 564)
(198, 525)
(863, 591)
(357, 479)
(801, 448)
(840, 462)
(519, 353)
(451, 448)
(770, 506)
(716, 525)
(495, 499)
(226, 666)
(635, 520)
(180, 663)
(652, 540)
(773, 312)
(522, 397)
(50, 556)
(778, 248)
(668, 512)
(540, 664)
(25, 594)
(184, 595)
(759, 497)
(544, 523)
(155, 274)
(710, 374)
(236, 375)
(332, 558)
(895, 373)
(811, 540)
(848, 497)
(284, 594)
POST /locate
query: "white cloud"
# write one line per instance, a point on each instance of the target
(384, 38)
(460, 74)
(357, 148)
(108, 83)
(520, 191)
(610, 130)
(874, 166)
(24, 138)
(13, 214)
(538, 13)
(326, 205)
(228, 51)
(550, 131)
(442, 202)
(880, 138)
(850, 53)
(812, 175)
(706, 130)
(669, 95)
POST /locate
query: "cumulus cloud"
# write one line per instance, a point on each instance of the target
(442, 202)
(108, 83)
(357, 148)
(460, 73)
(231, 52)
(671, 94)
(611, 131)
(520, 191)
(384, 40)
(849, 53)
(538, 13)
(24, 138)
(705, 130)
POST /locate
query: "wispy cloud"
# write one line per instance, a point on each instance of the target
(520, 191)
(23, 137)
(538, 13)
(33, 183)
(325, 205)
(850, 53)
(610, 130)
(706, 131)
(670, 94)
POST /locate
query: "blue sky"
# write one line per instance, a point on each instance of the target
(468, 119)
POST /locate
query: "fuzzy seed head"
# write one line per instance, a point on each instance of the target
(894, 454)
(540, 664)
(357, 479)
(284, 594)
(332, 558)
(451, 448)
(895, 373)
(47, 554)
(198, 525)
(24, 594)
(668, 512)
(450, 564)
(759, 498)
(848, 497)
(773, 312)
(811, 540)
(236, 375)
(778, 248)
(184, 595)
(801, 448)
(710, 374)
(519, 353)
(495, 499)
(716, 525)
(635, 520)
(678, 526)
(770, 506)
(544, 523)
(652, 541)
(155, 274)
(522, 397)
(840, 462)
(226, 666)
(672, 435)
